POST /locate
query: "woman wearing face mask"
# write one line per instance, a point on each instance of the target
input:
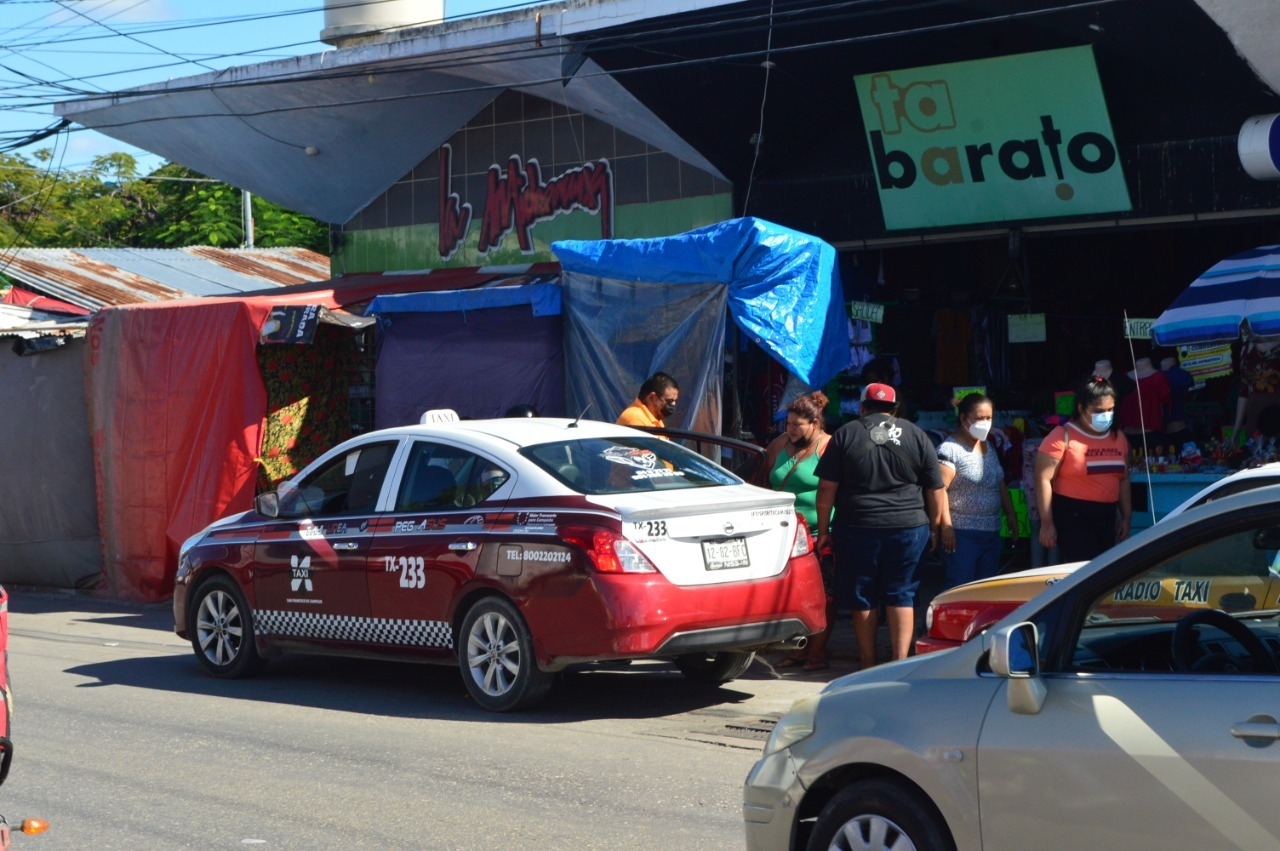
(790, 461)
(969, 535)
(1082, 478)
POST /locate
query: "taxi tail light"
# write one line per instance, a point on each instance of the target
(961, 621)
(801, 545)
(609, 551)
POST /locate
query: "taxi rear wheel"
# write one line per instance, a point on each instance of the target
(715, 669)
(222, 630)
(499, 668)
(878, 815)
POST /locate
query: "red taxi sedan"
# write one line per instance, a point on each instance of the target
(512, 548)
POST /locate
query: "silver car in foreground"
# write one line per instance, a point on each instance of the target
(1133, 705)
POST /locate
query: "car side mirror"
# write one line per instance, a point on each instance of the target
(1015, 656)
(267, 504)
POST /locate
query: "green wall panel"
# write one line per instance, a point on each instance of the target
(417, 246)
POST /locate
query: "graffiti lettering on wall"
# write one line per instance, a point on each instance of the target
(455, 217)
(518, 199)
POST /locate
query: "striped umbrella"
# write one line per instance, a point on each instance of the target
(1241, 291)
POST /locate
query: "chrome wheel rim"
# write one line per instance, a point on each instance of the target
(871, 833)
(493, 654)
(219, 628)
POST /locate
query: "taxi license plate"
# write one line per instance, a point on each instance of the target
(725, 553)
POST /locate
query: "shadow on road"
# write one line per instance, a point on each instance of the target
(157, 616)
(397, 689)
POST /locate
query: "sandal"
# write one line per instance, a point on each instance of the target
(791, 662)
(817, 665)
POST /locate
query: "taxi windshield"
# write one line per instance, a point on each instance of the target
(627, 465)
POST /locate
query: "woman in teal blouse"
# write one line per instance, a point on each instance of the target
(791, 460)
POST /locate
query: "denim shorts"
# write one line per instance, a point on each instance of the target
(876, 565)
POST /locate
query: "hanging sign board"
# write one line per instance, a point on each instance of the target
(1026, 328)
(992, 140)
(1138, 329)
(291, 324)
(958, 393)
(866, 311)
(1208, 361)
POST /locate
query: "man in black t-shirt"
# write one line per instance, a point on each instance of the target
(881, 475)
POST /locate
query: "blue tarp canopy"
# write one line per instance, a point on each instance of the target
(784, 288)
(544, 298)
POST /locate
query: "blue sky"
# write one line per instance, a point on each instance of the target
(50, 50)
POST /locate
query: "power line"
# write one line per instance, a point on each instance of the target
(497, 87)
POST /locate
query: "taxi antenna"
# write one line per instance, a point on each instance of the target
(574, 424)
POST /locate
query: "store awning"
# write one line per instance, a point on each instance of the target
(326, 134)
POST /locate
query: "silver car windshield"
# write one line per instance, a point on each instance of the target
(627, 465)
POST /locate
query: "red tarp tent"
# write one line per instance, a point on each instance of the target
(176, 410)
(25, 298)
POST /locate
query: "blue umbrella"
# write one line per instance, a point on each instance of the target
(1240, 292)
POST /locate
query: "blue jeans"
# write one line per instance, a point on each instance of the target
(977, 556)
(876, 565)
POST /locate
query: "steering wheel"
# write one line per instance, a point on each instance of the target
(1186, 640)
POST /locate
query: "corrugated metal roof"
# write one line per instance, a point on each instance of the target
(100, 277)
(16, 321)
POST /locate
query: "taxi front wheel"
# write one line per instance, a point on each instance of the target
(222, 630)
(878, 815)
(499, 668)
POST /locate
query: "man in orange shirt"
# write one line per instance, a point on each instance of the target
(655, 401)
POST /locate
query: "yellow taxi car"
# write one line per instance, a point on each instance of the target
(958, 614)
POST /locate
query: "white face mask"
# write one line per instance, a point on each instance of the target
(979, 430)
(1101, 421)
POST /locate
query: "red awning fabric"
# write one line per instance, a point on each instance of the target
(177, 408)
(25, 298)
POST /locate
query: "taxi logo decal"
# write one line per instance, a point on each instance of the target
(320, 530)
(641, 459)
(1142, 591)
(1191, 590)
(301, 573)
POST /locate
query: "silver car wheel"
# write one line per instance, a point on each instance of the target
(871, 833)
(219, 628)
(493, 654)
(497, 661)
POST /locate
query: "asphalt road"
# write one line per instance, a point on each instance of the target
(121, 741)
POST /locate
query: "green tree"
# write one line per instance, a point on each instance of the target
(109, 203)
(198, 213)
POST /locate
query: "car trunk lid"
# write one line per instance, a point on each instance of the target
(723, 534)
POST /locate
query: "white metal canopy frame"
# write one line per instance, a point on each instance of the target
(326, 134)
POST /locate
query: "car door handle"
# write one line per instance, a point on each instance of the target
(1255, 730)
(346, 545)
(463, 546)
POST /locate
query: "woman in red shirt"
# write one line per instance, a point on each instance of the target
(1082, 478)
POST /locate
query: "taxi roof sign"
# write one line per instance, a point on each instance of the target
(438, 416)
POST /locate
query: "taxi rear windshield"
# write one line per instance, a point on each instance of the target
(627, 465)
